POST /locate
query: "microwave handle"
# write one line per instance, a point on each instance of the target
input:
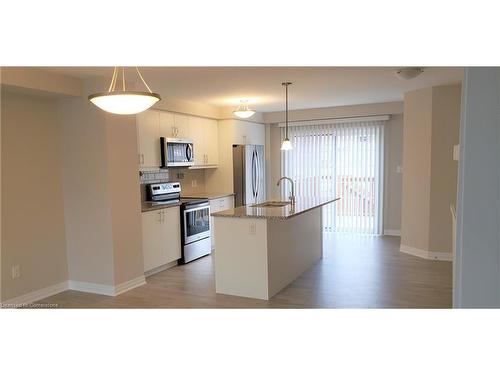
(163, 152)
(189, 151)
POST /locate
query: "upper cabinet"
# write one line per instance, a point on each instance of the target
(148, 139)
(174, 125)
(167, 125)
(204, 133)
(181, 125)
(211, 142)
(152, 124)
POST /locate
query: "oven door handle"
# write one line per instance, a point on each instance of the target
(198, 206)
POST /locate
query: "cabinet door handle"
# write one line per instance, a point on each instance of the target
(159, 216)
(142, 159)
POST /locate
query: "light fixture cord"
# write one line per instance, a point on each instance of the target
(113, 80)
(123, 79)
(143, 81)
(286, 111)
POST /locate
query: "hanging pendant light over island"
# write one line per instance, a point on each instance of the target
(286, 145)
(124, 102)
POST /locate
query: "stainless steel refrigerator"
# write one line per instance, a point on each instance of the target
(249, 174)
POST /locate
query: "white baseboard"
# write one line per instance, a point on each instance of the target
(36, 295)
(129, 285)
(392, 232)
(82, 286)
(106, 289)
(432, 255)
(161, 268)
(441, 255)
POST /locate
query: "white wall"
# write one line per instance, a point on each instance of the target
(33, 215)
(373, 109)
(431, 127)
(415, 206)
(86, 206)
(393, 159)
(477, 258)
(101, 194)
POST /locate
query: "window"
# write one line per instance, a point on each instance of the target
(343, 160)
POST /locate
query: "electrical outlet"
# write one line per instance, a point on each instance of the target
(180, 176)
(252, 229)
(194, 183)
(16, 271)
(399, 169)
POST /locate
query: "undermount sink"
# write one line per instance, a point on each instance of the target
(272, 204)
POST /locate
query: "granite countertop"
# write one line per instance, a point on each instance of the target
(207, 195)
(302, 204)
(146, 206)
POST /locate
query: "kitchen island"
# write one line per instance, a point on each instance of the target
(260, 249)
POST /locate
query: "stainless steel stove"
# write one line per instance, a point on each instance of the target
(195, 219)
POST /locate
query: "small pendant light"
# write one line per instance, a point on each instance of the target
(286, 145)
(243, 111)
(124, 102)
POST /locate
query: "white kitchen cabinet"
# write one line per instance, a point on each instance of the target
(161, 237)
(167, 125)
(204, 133)
(216, 205)
(148, 138)
(211, 142)
(152, 124)
(247, 133)
(196, 134)
(181, 124)
(173, 125)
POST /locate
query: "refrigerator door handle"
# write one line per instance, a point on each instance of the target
(253, 173)
(257, 169)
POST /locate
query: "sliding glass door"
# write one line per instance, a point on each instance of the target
(344, 160)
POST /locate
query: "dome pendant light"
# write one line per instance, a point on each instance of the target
(124, 102)
(243, 111)
(286, 145)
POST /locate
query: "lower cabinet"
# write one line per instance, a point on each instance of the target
(161, 237)
(216, 205)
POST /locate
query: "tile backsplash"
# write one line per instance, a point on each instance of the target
(152, 176)
(192, 181)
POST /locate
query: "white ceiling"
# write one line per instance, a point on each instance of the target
(313, 87)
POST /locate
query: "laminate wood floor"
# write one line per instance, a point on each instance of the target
(355, 272)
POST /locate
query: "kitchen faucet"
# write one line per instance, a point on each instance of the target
(292, 197)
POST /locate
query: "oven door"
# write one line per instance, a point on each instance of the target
(196, 222)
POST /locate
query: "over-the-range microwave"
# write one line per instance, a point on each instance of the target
(176, 152)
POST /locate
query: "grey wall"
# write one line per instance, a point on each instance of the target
(477, 260)
(32, 195)
(393, 133)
